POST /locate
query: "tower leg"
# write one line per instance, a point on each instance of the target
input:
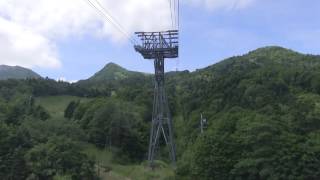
(161, 119)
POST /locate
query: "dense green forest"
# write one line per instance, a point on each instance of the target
(262, 111)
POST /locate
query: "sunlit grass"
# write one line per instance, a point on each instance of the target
(56, 105)
(141, 171)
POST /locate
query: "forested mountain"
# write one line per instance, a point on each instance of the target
(16, 72)
(111, 74)
(263, 118)
(262, 111)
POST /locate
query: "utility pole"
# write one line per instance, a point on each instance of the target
(105, 143)
(203, 122)
(158, 46)
(31, 101)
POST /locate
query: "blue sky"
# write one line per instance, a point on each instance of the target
(207, 35)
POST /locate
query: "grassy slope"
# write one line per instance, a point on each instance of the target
(123, 172)
(56, 105)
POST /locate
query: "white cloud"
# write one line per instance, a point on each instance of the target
(63, 79)
(29, 30)
(20, 46)
(222, 4)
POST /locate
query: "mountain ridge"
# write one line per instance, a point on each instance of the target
(17, 72)
(114, 72)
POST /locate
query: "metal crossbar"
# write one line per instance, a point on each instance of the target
(154, 43)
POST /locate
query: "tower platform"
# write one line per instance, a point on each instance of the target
(163, 43)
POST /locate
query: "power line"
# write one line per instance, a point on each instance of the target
(178, 28)
(112, 21)
(171, 13)
(117, 26)
(175, 12)
(178, 14)
(175, 16)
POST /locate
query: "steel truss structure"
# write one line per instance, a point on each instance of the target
(158, 46)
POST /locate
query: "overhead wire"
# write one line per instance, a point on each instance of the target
(174, 15)
(178, 14)
(178, 28)
(171, 13)
(111, 20)
(114, 19)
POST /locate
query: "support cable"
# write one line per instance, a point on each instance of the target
(113, 19)
(175, 13)
(178, 14)
(178, 28)
(107, 18)
(171, 13)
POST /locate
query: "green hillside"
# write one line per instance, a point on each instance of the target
(112, 73)
(262, 109)
(16, 72)
(56, 105)
(106, 168)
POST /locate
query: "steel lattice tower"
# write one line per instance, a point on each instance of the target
(158, 46)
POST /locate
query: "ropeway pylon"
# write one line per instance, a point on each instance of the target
(158, 46)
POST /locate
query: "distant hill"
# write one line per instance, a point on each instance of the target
(113, 75)
(113, 72)
(16, 72)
